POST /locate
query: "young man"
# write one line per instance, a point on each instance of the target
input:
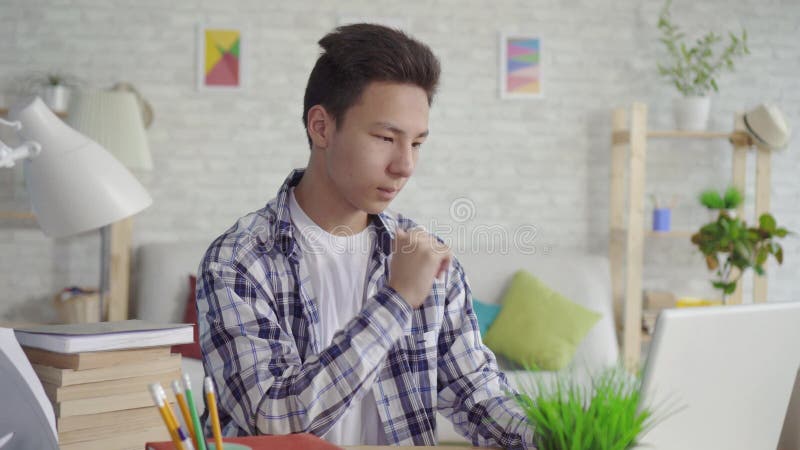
(321, 312)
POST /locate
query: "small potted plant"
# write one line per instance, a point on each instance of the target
(55, 88)
(693, 69)
(566, 414)
(728, 243)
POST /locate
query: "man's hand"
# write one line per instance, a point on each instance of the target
(417, 258)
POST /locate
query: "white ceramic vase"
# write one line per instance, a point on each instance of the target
(691, 113)
(56, 97)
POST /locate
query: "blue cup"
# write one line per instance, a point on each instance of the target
(661, 219)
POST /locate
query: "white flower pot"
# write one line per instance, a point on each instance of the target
(691, 113)
(56, 97)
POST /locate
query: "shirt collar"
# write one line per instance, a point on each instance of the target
(283, 230)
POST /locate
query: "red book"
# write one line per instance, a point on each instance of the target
(299, 441)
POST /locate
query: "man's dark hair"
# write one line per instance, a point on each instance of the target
(355, 55)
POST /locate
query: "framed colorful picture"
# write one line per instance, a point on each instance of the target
(221, 62)
(520, 66)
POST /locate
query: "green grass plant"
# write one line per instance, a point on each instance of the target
(606, 414)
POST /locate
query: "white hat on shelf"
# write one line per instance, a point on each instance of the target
(767, 126)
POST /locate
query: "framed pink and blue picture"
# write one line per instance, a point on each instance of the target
(520, 66)
(221, 60)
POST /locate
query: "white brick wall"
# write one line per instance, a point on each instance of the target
(542, 163)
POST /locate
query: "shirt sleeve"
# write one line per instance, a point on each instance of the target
(473, 393)
(262, 383)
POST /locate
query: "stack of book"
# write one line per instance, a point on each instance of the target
(97, 375)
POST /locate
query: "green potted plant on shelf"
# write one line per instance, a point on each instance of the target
(568, 415)
(727, 243)
(693, 69)
(54, 88)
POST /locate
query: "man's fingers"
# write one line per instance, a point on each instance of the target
(401, 237)
(444, 265)
(411, 239)
(417, 232)
(442, 271)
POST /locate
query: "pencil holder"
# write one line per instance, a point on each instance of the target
(76, 305)
(661, 219)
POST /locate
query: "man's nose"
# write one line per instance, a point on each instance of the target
(403, 163)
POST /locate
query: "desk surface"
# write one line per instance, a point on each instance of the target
(446, 447)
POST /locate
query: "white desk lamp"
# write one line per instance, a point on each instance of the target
(75, 185)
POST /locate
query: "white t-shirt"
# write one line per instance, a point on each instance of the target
(338, 269)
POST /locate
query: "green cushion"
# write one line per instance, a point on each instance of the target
(537, 327)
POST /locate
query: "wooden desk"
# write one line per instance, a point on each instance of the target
(389, 447)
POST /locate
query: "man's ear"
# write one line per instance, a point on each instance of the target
(320, 126)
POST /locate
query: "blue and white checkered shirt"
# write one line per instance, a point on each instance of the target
(259, 332)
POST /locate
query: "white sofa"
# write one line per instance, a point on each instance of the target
(162, 269)
(585, 279)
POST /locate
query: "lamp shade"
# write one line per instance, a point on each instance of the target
(75, 185)
(113, 119)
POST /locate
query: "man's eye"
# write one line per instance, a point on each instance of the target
(417, 145)
(385, 138)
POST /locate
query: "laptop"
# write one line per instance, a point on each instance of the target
(724, 373)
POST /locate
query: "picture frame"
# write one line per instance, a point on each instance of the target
(521, 66)
(222, 61)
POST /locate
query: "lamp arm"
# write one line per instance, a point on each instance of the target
(16, 125)
(9, 155)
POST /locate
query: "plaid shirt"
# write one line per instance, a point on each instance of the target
(259, 333)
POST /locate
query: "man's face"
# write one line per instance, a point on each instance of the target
(375, 147)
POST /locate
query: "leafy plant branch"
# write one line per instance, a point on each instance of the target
(728, 243)
(694, 70)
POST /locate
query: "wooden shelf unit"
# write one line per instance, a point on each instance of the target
(62, 114)
(17, 215)
(627, 222)
(672, 234)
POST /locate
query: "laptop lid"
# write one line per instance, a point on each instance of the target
(730, 370)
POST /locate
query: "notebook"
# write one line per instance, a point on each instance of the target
(102, 336)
